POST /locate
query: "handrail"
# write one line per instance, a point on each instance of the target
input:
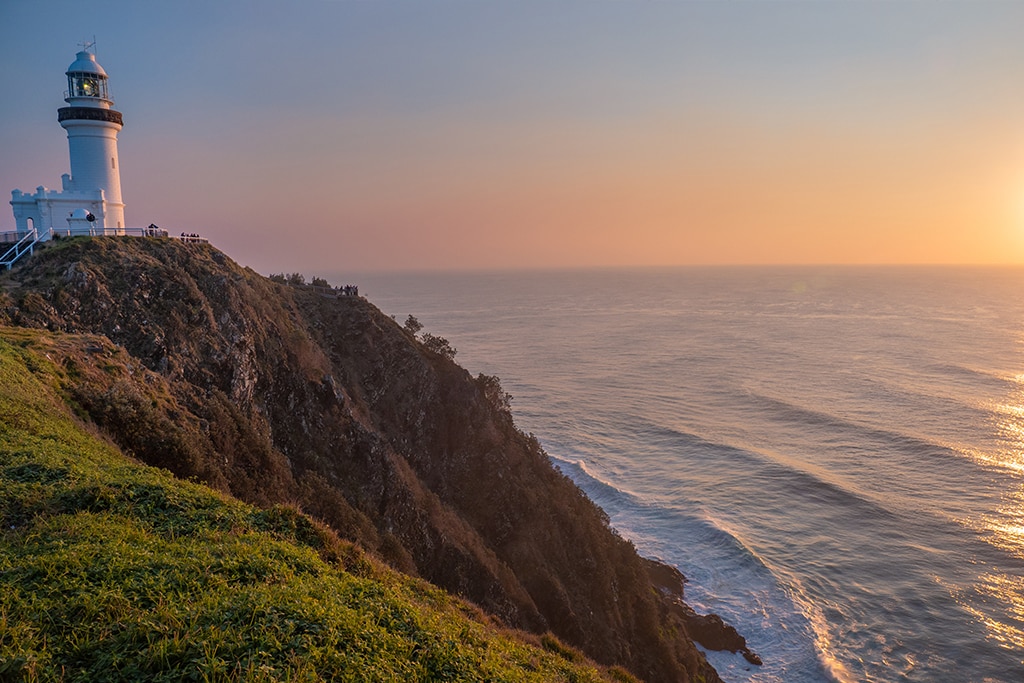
(24, 246)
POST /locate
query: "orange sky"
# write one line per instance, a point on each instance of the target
(347, 136)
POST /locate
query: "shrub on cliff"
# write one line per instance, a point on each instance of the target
(412, 325)
(438, 345)
(494, 393)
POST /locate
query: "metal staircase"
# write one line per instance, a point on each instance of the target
(25, 245)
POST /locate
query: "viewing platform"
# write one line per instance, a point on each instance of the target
(24, 243)
(13, 236)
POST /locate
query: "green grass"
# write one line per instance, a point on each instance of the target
(110, 570)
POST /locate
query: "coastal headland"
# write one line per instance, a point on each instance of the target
(335, 422)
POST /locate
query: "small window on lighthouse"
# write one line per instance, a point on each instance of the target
(112, 164)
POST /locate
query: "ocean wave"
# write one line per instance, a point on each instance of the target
(899, 469)
(804, 416)
(1006, 462)
(783, 472)
(725, 575)
(600, 490)
(975, 376)
(696, 526)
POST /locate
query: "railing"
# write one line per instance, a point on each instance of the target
(89, 114)
(24, 246)
(152, 231)
(108, 232)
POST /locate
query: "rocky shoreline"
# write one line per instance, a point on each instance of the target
(709, 630)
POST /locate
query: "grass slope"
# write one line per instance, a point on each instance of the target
(110, 570)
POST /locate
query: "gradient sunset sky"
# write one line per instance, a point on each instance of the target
(358, 135)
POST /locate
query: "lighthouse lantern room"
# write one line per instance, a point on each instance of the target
(86, 78)
(93, 188)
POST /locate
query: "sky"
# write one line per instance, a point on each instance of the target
(356, 135)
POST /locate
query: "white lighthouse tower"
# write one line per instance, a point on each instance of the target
(92, 128)
(89, 201)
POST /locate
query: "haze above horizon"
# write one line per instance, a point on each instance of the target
(333, 135)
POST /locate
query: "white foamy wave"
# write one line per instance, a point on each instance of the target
(823, 638)
(725, 576)
(781, 622)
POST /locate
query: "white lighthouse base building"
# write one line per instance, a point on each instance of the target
(46, 209)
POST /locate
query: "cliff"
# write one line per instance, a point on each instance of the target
(276, 394)
(114, 571)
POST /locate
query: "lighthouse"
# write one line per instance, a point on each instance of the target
(89, 201)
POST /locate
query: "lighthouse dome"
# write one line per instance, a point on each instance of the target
(85, 63)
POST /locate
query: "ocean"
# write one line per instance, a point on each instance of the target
(834, 456)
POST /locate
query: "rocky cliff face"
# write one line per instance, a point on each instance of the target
(277, 394)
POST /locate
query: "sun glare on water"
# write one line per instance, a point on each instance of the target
(1004, 529)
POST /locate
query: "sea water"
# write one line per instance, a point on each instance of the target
(834, 457)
